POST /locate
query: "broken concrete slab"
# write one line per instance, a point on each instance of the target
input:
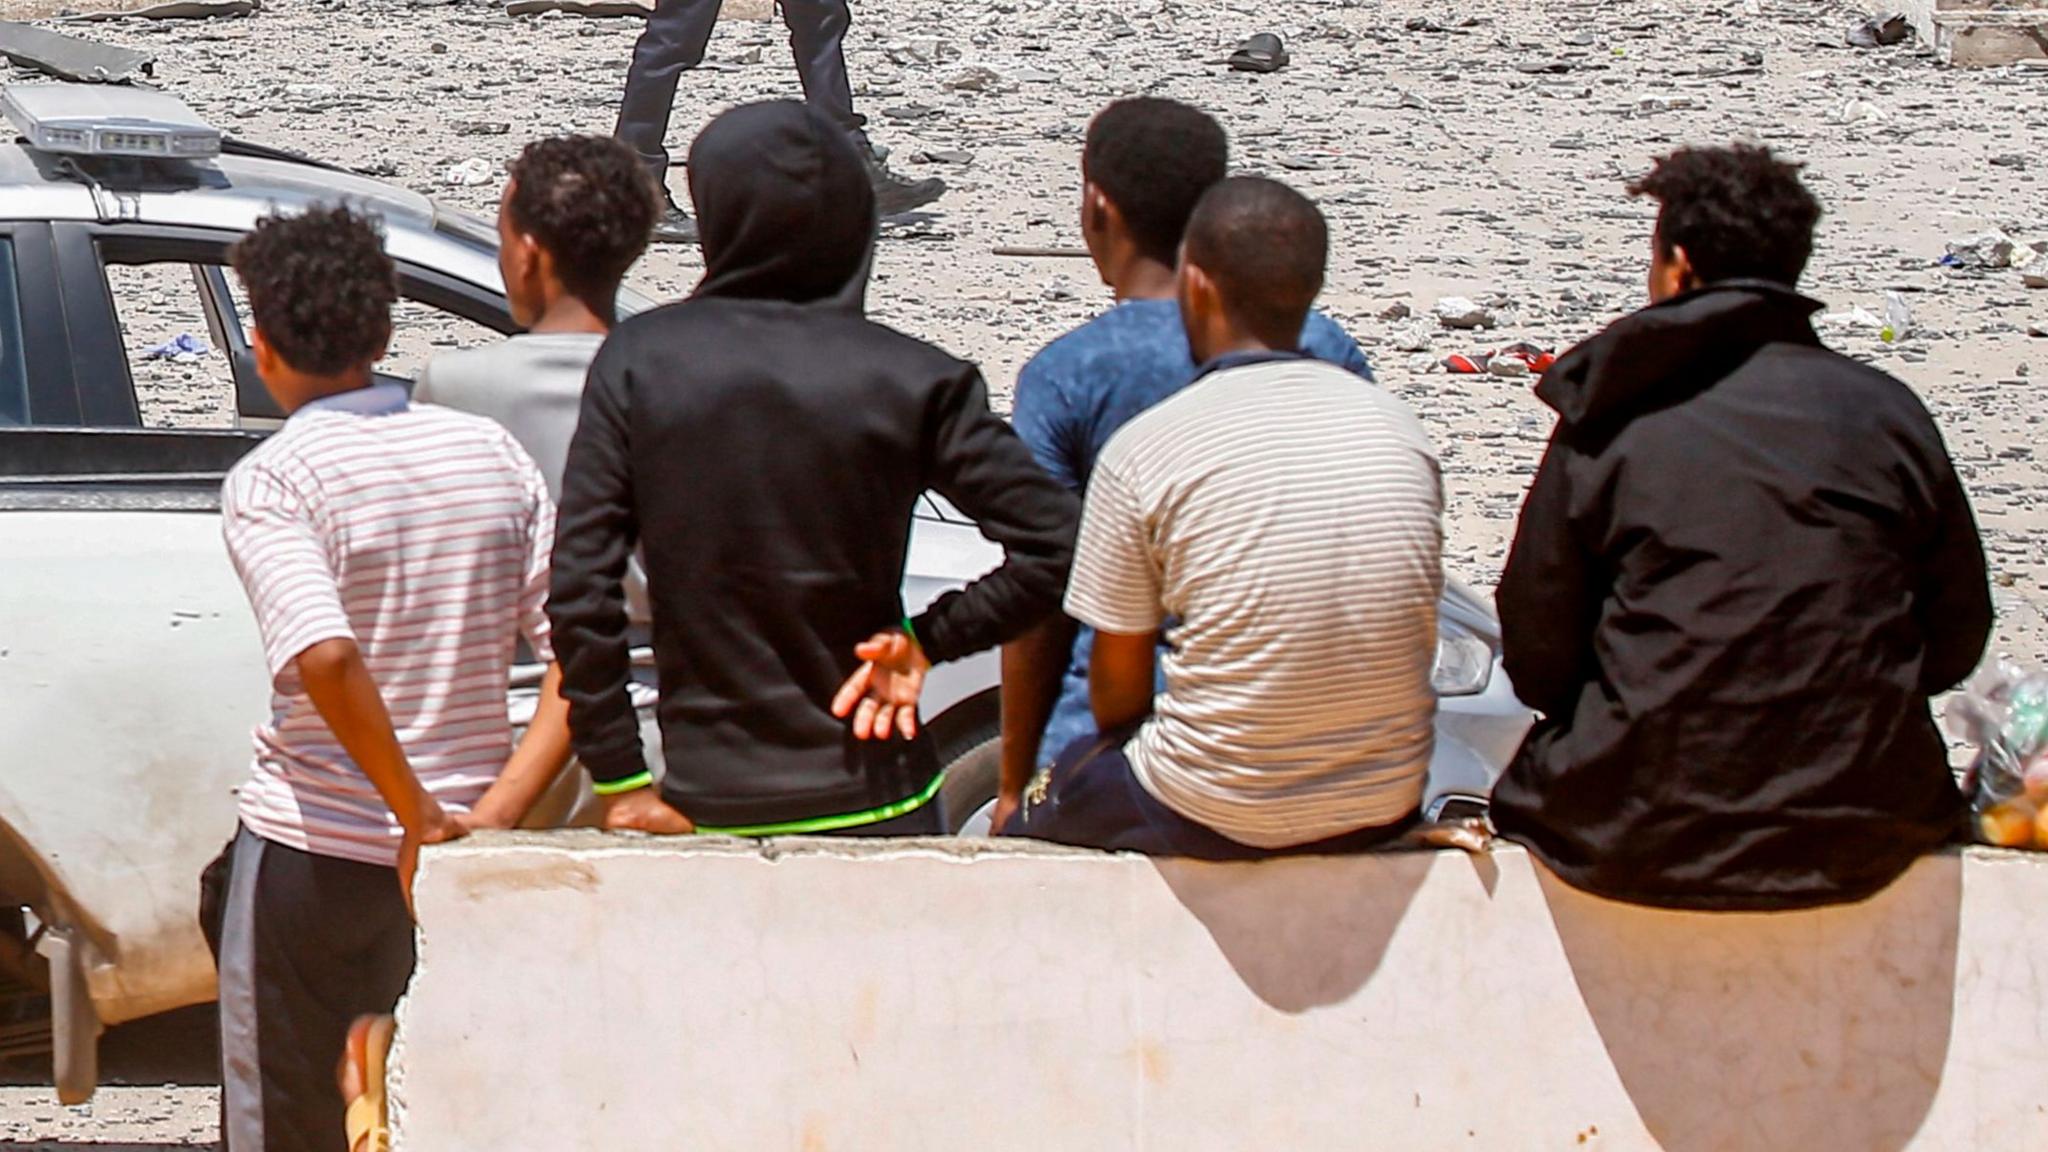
(175, 10)
(1975, 33)
(72, 57)
(730, 10)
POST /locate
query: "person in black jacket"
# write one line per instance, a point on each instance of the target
(1744, 566)
(764, 443)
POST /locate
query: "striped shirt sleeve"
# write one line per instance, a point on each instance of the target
(284, 566)
(1115, 586)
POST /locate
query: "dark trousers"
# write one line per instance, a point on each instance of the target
(1094, 800)
(306, 944)
(677, 33)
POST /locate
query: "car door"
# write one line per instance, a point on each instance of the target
(129, 662)
(129, 666)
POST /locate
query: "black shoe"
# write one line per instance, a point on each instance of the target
(675, 227)
(895, 195)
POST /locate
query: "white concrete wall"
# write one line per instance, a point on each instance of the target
(605, 994)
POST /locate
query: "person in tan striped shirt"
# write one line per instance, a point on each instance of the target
(1281, 524)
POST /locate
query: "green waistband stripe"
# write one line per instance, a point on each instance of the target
(614, 787)
(834, 823)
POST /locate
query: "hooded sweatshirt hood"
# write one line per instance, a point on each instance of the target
(785, 210)
(1667, 352)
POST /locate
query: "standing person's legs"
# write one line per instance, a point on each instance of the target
(308, 943)
(677, 33)
(817, 37)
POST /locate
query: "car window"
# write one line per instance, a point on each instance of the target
(181, 379)
(419, 332)
(13, 362)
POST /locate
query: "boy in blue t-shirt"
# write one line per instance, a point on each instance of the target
(1145, 165)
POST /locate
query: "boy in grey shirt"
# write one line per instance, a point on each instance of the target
(576, 213)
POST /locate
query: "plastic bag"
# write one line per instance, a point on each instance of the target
(2004, 712)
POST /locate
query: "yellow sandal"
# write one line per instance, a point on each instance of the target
(369, 1117)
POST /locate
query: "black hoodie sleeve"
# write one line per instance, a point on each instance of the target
(1953, 603)
(978, 463)
(1548, 597)
(594, 537)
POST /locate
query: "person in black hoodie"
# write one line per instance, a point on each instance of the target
(764, 443)
(1744, 566)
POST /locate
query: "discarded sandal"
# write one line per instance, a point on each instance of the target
(362, 1083)
(1261, 53)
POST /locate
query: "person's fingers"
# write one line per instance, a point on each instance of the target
(906, 720)
(864, 718)
(878, 646)
(855, 687)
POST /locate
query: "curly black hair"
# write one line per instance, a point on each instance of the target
(1154, 159)
(1739, 212)
(320, 287)
(1266, 247)
(591, 204)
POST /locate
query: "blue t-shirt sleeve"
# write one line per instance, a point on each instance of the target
(1325, 341)
(1047, 422)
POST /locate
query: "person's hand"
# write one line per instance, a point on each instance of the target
(882, 693)
(1007, 804)
(433, 825)
(643, 810)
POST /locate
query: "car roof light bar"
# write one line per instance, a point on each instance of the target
(104, 120)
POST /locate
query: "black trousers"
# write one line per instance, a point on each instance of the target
(307, 944)
(678, 32)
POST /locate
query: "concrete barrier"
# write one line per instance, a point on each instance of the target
(580, 992)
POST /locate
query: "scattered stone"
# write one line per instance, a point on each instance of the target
(1461, 313)
(1508, 367)
(909, 112)
(1651, 103)
(925, 51)
(945, 156)
(2013, 160)
(974, 79)
(1416, 337)
(1987, 251)
(472, 173)
(1396, 311)
(481, 127)
(1856, 112)
(2034, 271)
(1884, 33)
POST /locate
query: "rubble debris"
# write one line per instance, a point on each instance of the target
(594, 8)
(175, 10)
(471, 173)
(1459, 312)
(1260, 53)
(1881, 33)
(72, 57)
(1989, 250)
(2034, 270)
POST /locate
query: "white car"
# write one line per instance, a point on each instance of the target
(130, 668)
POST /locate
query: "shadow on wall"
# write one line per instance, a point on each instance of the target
(1301, 934)
(1774, 1032)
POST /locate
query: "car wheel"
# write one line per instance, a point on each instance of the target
(974, 767)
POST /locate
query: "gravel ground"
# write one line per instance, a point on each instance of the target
(1475, 150)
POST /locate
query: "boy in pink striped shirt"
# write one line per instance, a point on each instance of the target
(393, 554)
